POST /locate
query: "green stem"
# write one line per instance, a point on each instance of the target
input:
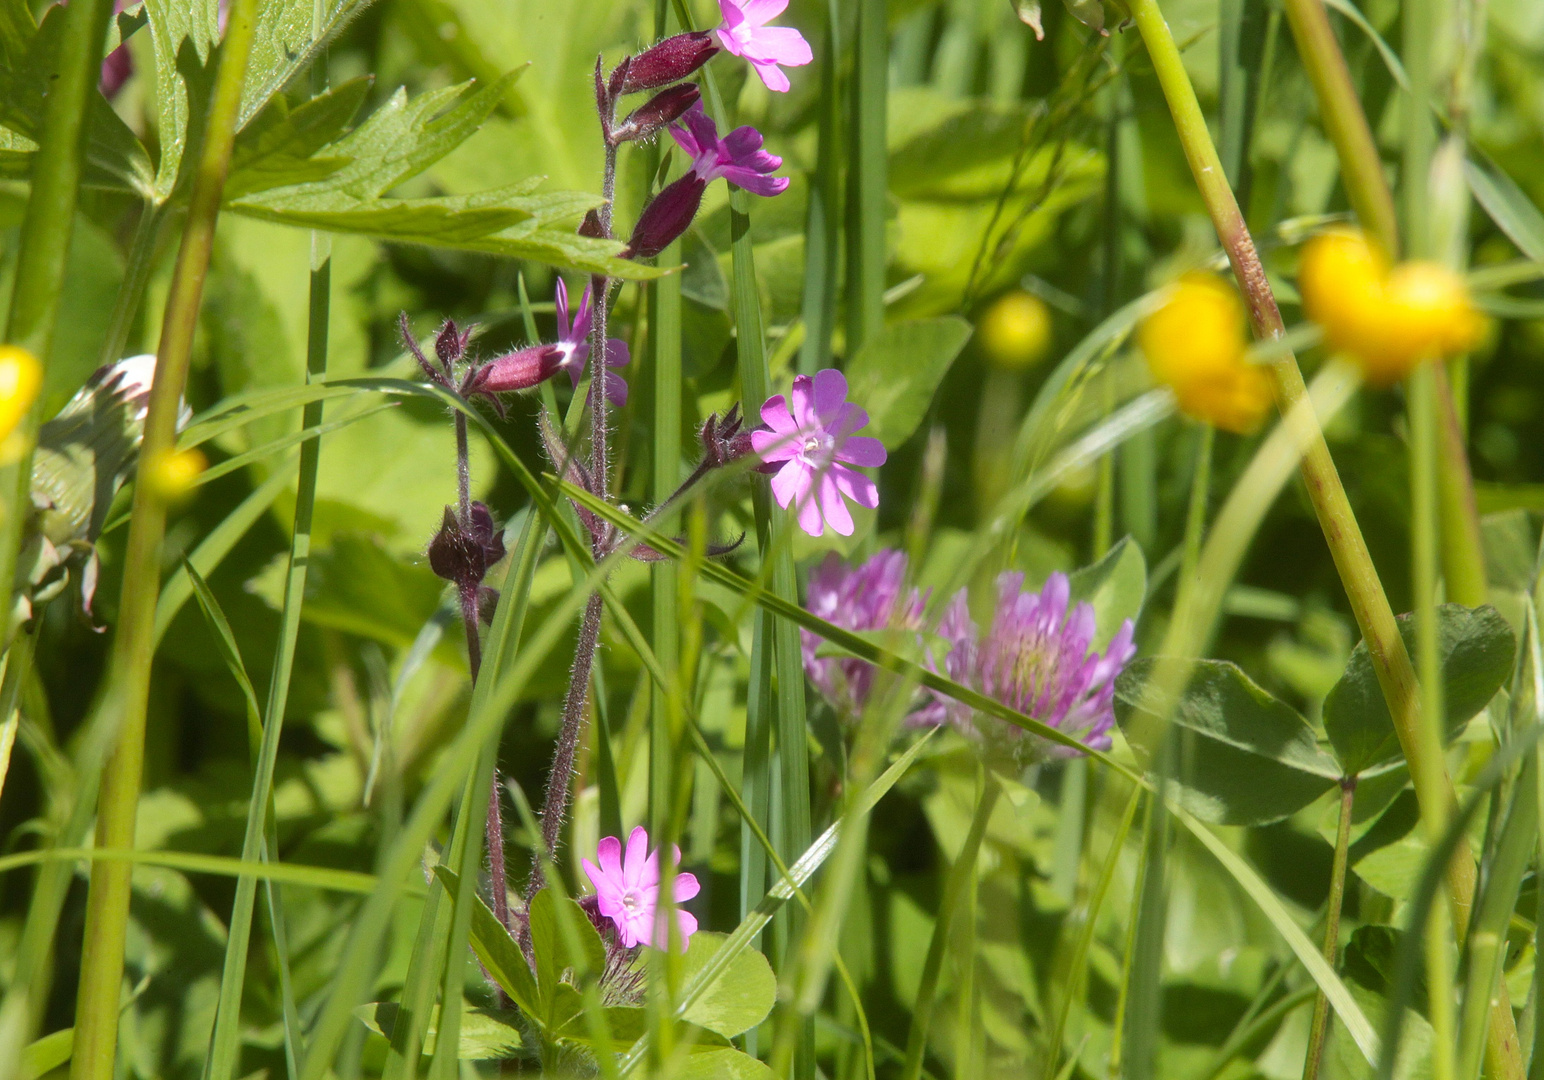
(960, 873)
(1321, 1005)
(136, 274)
(867, 177)
(822, 229)
(43, 248)
(107, 903)
(1195, 513)
(225, 1041)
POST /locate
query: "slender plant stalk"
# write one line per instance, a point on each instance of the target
(1321, 1005)
(107, 904)
(136, 274)
(44, 247)
(867, 178)
(960, 873)
(1367, 186)
(225, 1040)
(1369, 603)
(822, 224)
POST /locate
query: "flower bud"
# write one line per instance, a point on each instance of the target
(652, 117)
(670, 61)
(514, 371)
(450, 344)
(666, 217)
(463, 555)
(592, 226)
(724, 440)
(1016, 331)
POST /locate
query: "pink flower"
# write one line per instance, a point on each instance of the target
(745, 33)
(627, 890)
(574, 345)
(738, 157)
(815, 438)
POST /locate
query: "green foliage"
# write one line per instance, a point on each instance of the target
(1477, 648)
(1244, 756)
(897, 372)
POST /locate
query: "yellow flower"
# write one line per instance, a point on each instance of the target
(1387, 320)
(1195, 344)
(21, 377)
(172, 475)
(1016, 331)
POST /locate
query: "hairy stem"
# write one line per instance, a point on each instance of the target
(1321, 1006)
(575, 709)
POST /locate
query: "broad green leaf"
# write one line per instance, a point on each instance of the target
(1477, 649)
(279, 147)
(183, 34)
(740, 999)
(1116, 586)
(1508, 207)
(549, 940)
(290, 34)
(724, 1064)
(485, 1035)
(628, 1023)
(1247, 758)
(895, 373)
(499, 954)
(114, 158)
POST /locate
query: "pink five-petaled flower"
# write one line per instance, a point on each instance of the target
(745, 33)
(574, 343)
(816, 440)
(737, 157)
(627, 889)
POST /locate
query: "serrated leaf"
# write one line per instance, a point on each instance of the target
(485, 1035)
(896, 372)
(289, 35)
(183, 34)
(1477, 648)
(1115, 586)
(279, 147)
(740, 999)
(1247, 757)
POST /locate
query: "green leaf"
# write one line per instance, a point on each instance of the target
(290, 34)
(1508, 207)
(183, 34)
(485, 1035)
(896, 372)
(499, 954)
(1248, 759)
(549, 940)
(723, 1065)
(1116, 586)
(279, 147)
(740, 999)
(1477, 649)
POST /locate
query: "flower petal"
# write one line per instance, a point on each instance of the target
(791, 483)
(755, 182)
(637, 857)
(772, 76)
(778, 45)
(742, 143)
(833, 508)
(687, 922)
(774, 413)
(862, 450)
(561, 302)
(761, 12)
(775, 445)
(686, 887)
(802, 403)
(830, 387)
(617, 353)
(857, 487)
(703, 130)
(609, 852)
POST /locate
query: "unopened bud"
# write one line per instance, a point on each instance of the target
(450, 344)
(666, 217)
(463, 555)
(724, 440)
(515, 371)
(670, 61)
(592, 226)
(652, 117)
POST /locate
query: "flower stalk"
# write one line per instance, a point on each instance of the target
(1369, 603)
(1321, 1005)
(128, 680)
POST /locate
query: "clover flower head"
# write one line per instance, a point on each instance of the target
(813, 435)
(872, 596)
(1037, 658)
(745, 33)
(574, 345)
(627, 889)
(737, 157)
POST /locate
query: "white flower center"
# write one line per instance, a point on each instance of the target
(632, 902)
(818, 449)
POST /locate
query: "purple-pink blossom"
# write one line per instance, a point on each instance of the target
(737, 157)
(574, 345)
(1037, 658)
(745, 33)
(872, 596)
(627, 889)
(815, 439)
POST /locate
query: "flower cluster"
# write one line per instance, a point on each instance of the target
(1037, 656)
(1388, 319)
(872, 596)
(627, 890)
(1195, 344)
